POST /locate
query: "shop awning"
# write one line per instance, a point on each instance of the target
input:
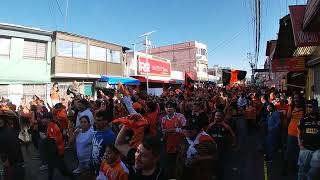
(112, 80)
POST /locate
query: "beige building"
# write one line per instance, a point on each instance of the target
(75, 57)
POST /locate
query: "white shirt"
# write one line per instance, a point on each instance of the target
(242, 101)
(84, 145)
(86, 112)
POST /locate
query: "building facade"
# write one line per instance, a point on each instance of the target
(191, 57)
(85, 60)
(25, 62)
(158, 68)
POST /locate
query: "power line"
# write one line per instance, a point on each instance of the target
(51, 10)
(59, 7)
(228, 41)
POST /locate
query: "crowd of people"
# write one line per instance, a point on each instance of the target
(180, 135)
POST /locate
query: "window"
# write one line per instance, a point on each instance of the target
(116, 57)
(64, 48)
(113, 56)
(5, 46)
(72, 49)
(34, 50)
(109, 55)
(98, 53)
(79, 50)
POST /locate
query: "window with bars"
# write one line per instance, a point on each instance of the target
(34, 50)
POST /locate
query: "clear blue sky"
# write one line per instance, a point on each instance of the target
(212, 22)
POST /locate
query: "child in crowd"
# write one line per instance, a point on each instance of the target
(112, 168)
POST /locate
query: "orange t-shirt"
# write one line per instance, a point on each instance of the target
(53, 132)
(297, 114)
(117, 171)
(152, 118)
(61, 115)
(173, 139)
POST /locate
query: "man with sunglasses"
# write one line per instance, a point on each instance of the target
(309, 143)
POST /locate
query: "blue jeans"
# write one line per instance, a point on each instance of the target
(41, 151)
(309, 165)
(272, 142)
(241, 129)
(292, 152)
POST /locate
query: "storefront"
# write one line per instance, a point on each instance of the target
(313, 88)
(159, 71)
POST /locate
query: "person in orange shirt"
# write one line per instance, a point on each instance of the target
(112, 168)
(295, 114)
(60, 113)
(152, 118)
(171, 127)
(54, 148)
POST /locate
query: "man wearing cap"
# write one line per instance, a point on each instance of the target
(10, 151)
(197, 153)
(309, 143)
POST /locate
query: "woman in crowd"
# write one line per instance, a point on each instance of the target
(82, 137)
(295, 114)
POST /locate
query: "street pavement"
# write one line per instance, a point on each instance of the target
(244, 164)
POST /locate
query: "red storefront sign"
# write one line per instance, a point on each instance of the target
(155, 67)
(295, 64)
(302, 38)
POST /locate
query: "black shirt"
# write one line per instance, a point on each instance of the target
(221, 135)
(309, 127)
(9, 146)
(135, 174)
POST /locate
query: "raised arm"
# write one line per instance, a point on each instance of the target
(121, 144)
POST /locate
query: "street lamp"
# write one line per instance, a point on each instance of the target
(147, 43)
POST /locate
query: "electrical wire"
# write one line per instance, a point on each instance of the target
(228, 41)
(59, 7)
(51, 11)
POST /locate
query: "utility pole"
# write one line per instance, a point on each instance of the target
(147, 43)
(250, 56)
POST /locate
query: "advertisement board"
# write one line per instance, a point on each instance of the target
(155, 67)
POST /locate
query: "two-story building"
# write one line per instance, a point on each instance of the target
(75, 57)
(189, 57)
(24, 62)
